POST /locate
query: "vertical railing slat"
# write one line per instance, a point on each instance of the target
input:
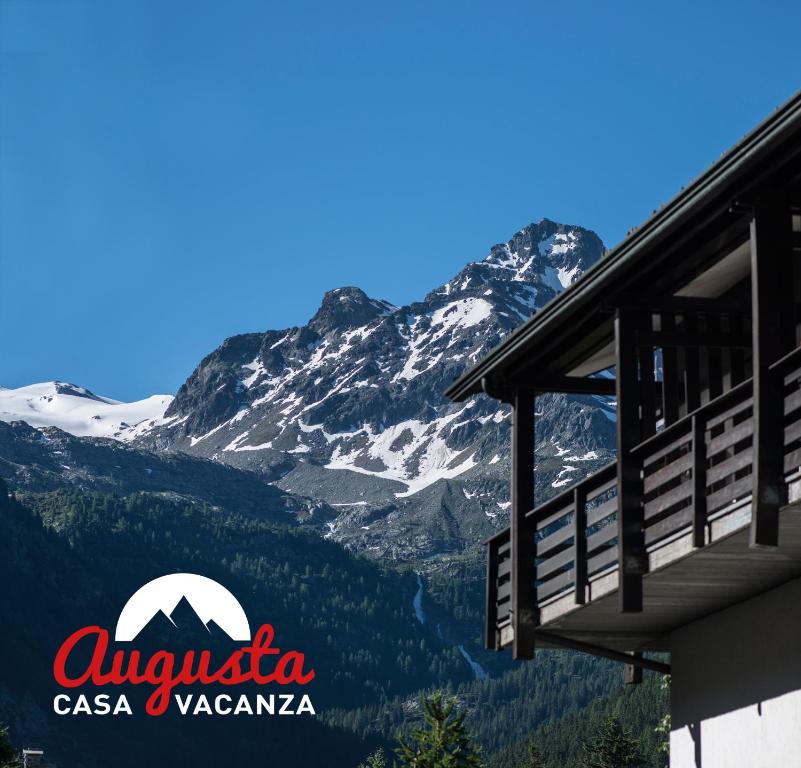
(699, 480)
(580, 542)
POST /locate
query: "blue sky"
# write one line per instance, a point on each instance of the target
(172, 173)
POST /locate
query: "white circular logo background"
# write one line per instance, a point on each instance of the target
(210, 600)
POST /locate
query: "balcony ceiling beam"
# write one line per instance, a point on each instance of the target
(607, 653)
(695, 339)
(575, 385)
(683, 305)
(569, 385)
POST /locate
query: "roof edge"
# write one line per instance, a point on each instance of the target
(701, 188)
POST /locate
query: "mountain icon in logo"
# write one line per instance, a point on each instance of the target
(180, 597)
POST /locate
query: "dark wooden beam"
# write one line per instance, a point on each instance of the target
(714, 362)
(580, 543)
(524, 611)
(648, 385)
(632, 673)
(491, 598)
(683, 305)
(771, 311)
(670, 395)
(497, 390)
(606, 653)
(691, 339)
(631, 545)
(575, 385)
(571, 385)
(692, 365)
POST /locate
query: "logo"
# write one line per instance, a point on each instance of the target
(88, 658)
(209, 600)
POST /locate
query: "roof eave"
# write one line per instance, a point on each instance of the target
(699, 192)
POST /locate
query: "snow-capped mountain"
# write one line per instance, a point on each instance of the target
(78, 411)
(348, 411)
(349, 408)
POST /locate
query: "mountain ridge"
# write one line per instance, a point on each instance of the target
(348, 409)
(78, 410)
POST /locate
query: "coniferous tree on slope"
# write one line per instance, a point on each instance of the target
(376, 759)
(442, 742)
(9, 757)
(612, 747)
(533, 757)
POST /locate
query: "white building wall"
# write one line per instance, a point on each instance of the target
(736, 685)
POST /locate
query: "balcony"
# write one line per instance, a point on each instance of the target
(695, 492)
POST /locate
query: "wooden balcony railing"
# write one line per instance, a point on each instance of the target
(576, 539)
(697, 466)
(789, 368)
(692, 472)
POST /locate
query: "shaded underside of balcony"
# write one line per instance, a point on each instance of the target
(683, 584)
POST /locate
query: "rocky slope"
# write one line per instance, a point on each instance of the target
(49, 459)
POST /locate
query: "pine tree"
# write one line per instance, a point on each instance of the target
(612, 747)
(9, 758)
(533, 757)
(376, 760)
(443, 742)
(663, 727)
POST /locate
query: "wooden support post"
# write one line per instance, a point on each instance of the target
(770, 306)
(580, 543)
(692, 367)
(670, 400)
(714, 360)
(632, 674)
(491, 599)
(699, 481)
(631, 545)
(524, 609)
(736, 369)
(647, 385)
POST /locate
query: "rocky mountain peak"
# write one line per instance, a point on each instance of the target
(546, 252)
(347, 307)
(349, 409)
(539, 261)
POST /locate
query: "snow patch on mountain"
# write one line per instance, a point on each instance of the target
(412, 452)
(80, 412)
